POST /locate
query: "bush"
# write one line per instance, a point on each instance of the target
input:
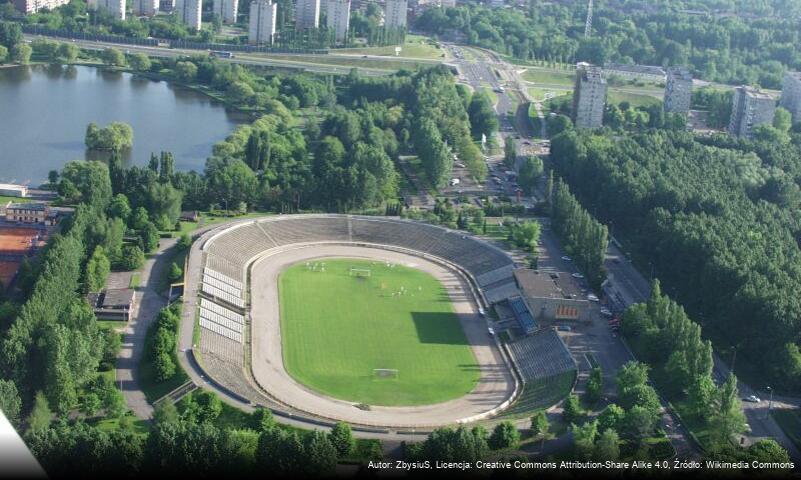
(132, 257)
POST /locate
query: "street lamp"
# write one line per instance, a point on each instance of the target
(770, 402)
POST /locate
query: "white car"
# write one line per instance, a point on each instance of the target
(577, 275)
(491, 331)
(752, 399)
(593, 298)
(566, 258)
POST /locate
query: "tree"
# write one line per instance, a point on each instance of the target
(185, 71)
(120, 207)
(607, 447)
(184, 241)
(571, 411)
(504, 435)
(113, 57)
(611, 418)
(41, 415)
(594, 386)
(320, 455)
(639, 423)
(727, 412)
(510, 152)
(21, 53)
(97, 270)
(539, 423)
(165, 412)
(3, 54)
(68, 52)
(530, 173)
(10, 34)
(782, 120)
(139, 62)
(132, 257)
(483, 120)
(10, 403)
(342, 439)
(630, 375)
(149, 236)
(262, 419)
(176, 273)
(584, 439)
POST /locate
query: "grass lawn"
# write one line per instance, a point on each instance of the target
(136, 278)
(540, 94)
(790, 422)
(416, 46)
(549, 77)
(635, 99)
(336, 329)
(4, 199)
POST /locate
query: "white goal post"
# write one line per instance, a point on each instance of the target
(360, 272)
(385, 372)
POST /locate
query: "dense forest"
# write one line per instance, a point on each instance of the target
(745, 41)
(718, 220)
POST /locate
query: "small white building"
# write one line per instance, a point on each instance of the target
(261, 28)
(13, 190)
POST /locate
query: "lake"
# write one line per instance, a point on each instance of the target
(44, 111)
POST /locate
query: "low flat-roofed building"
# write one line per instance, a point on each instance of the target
(12, 190)
(113, 303)
(552, 296)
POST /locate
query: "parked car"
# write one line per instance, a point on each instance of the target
(563, 328)
(577, 275)
(752, 399)
(491, 331)
(593, 298)
(566, 258)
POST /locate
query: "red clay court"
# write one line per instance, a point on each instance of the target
(7, 271)
(16, 241)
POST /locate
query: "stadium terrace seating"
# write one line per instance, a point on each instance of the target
(541, 355)
(225, 348)
(224, 267)
(223, 278)
(500, 291)
(302, 229)
(498, 275)
(240, 244)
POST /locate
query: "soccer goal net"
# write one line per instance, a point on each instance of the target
(360, 272)
(385, 372)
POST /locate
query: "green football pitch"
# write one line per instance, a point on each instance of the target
(337, 328)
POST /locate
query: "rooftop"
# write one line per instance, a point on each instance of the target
(117, 297)
(590, 73)
(12, 186)
(537, 284)
(27, 206)
(754, 93)
(680, 72)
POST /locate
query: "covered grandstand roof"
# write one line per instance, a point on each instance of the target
(541, 355)
(522, 315)
(534, 283)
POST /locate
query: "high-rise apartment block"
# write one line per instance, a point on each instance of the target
(145, 7)
(791, 95)
(33, 6)
(589, 96)
(226, 10)
(339, 18)
(114, 7)
(262, 22)
(678, 90)
(395, 13)
(750, 108)
(307, 14)
(188, 12)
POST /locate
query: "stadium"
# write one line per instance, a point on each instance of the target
(371, 320)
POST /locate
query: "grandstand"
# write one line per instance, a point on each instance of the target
(541, 355)
(547, 369)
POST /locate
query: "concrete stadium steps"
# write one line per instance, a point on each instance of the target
(214, 344)
(240, 244)
(289, 230)
(225, 267)
(541, 355)
(415, 236)
(223, 278)
(501, 291)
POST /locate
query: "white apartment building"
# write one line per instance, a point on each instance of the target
(115, 7)
(750, 108)
(678, 90)
(188, 12)
(145, 7)
(33, 6)
(261, 29)
(395, 13)
(339, 18)
(226, 10)
(791, 95)
(307, 14)
(589, 96)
